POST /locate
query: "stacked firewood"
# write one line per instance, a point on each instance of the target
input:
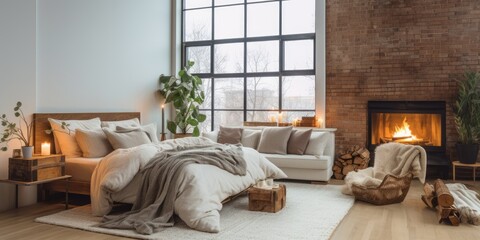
(351, 159)
(437, 196)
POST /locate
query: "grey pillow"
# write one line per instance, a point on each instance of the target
(274, 140)
(250, 138)
(93, 143)
(298, 141)
(230, 135)
(150, 129)
(126, 138)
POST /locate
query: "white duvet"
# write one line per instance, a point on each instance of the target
(202, 187)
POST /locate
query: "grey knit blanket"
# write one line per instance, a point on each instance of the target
(154, 206)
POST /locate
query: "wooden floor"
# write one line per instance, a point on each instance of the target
(408, 220)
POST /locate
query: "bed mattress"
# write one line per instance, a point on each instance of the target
(80, 168)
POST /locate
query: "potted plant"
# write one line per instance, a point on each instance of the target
(467, 117)
(12, 131)
(186, 94)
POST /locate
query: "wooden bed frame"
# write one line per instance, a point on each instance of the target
(40, 123)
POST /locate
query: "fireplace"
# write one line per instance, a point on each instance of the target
(411, 122)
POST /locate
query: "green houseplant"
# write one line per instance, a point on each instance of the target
(12, 131)
(186, 94)
(467, 117)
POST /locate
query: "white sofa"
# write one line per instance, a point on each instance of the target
(303, 167)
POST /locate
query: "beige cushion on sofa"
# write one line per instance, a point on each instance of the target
(274, 140)
(298, 141)
(300, 161)
(317, 143)
(126, 138)
(93, 143)
(230, 135)
(251, 138)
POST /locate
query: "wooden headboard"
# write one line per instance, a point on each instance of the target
(40, 123)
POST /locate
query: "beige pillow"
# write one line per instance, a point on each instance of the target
(250, 138)
(66, 137)
(317, 144)
(298, 141)
(93, 143)
(134, 122)
(126, 138)
(230, 135)
(213, 135)
(274, 140)
(150, 129)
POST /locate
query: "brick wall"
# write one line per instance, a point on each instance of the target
(396, 50)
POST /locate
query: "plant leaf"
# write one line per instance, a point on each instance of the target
(172, 127)
(201, 117)
(196, 132)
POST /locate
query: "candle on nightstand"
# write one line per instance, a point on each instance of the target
(45, 149)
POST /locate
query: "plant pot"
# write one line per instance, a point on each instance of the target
(27, 151)
(182, 135)
(467, 153)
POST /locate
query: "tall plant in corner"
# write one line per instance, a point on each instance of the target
(12, 131)
(186, 94)
(467, 117)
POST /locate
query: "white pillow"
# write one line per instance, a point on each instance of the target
(134, 122)
(211, 135)
(274, 140)
(150, 129)
(250, 138)
(317, 144)
(93, 143)
(66, 137)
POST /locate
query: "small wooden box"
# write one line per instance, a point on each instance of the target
(36, 168)
(266, 200)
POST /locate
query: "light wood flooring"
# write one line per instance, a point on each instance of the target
(408, 220)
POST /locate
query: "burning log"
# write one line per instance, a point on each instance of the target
(352, 159)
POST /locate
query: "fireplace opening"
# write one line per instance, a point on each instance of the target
(411, 122)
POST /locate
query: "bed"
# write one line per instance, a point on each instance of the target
(79, 168)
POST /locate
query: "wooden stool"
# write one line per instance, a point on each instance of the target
(459, 164)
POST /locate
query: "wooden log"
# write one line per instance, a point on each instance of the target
(337, 169)
(358, 160)
(338, 176)
(444, 197)
(431, 202)
(429, 190)
(347, 169)
(347, 156)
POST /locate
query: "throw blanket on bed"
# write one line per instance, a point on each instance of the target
(466, 202)
(390, 158)
(154, 206)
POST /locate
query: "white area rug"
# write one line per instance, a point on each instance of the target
(311, 212)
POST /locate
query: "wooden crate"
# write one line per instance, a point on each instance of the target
(36, 168)
(267, 200)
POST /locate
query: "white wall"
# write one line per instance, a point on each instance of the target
(102, 55)
(17, 80)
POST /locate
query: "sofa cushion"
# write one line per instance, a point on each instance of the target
(251, 138)
(317, 143)
(299, 161)
(211, 135)
(230, 135)
(298, 141)
(274, 140)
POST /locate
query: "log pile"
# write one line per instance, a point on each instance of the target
(352, 159)
(439, 198)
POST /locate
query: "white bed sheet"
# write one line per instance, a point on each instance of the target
(80, 168)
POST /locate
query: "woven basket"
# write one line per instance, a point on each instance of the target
(392, 190)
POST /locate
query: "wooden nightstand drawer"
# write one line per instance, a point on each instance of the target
(36, 168)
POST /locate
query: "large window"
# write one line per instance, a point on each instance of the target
(256, 58)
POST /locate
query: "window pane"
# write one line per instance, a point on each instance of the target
(262, 56)
(298, 16)
(201, 57)
(262, 19)
(299, 55)
(198, 24)
(228, 118)
(228, 93)
(260, 116)
(249, 1)
(229, 58)
(298, 92)
(207, 90)
(206, 126)
(262, 93)
(197, 3)
(290, 116)
(226, 2)
(229, 22)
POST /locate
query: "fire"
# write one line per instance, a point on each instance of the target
(403, 132)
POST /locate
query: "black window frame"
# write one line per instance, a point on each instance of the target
(281, 73)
